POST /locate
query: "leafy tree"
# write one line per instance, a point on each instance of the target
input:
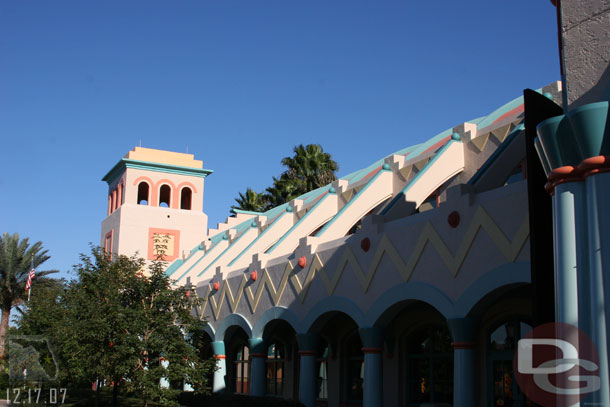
(309, 168)
(251, 201)
(16, 260)
(117, 325)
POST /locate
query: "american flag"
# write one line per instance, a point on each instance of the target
(28, 283)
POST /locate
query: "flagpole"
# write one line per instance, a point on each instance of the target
(32, 268)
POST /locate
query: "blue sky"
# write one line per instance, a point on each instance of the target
(238, 83)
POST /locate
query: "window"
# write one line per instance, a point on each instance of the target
(242, 369)
(185, 198)
(501, 345)
(165, 195)
(429, 366)
(274, 366)
(143, 193)
(322, 372)
(354, 368)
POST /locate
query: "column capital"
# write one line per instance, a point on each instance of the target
(219, 348)
(371, 337)
(308, 342)
(257, 347)
(463, 331)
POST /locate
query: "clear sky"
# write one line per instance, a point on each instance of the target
(238, 84)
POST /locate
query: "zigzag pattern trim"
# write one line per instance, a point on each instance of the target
(510, 249)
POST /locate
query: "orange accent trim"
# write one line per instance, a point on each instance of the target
(511, 112)
(120, 200)
(143, 178)
(151, 248)
(372, 350)
(152, 192)
(561, 175)
(307, 353)
(111, 234)
(188, 184)
(220, 356)
(463, 345)
(114, 200)
(595, 165)
(173, 202)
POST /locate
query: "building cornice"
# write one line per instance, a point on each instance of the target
(152, 166)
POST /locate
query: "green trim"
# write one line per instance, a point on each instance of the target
(221, 254)
(311, 210)
(173, 267)
(152, 166)
(255, 240)
(403, 192)
(246, 212)
(197, 262)
(347, 205)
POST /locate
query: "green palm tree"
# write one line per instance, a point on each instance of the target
(251, 201)
(309, 168)
(16, 259)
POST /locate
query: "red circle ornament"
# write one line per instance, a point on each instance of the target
(302, 261)
(111, 344)
(254, 275)
(188, 294)
(454, 219)
(216, 286)
(365, 244)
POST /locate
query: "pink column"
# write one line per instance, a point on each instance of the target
(114, 203)
(109, 204)
(120, 198)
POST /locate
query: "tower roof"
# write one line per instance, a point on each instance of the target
(160, 161)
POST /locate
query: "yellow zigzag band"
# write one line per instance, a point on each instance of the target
(481, 220)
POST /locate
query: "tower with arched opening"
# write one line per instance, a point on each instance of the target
(155, 204)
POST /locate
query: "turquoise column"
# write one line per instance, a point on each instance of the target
(219, 385)
(463, 331)
(568, 198)
(257, 371)
(598, 225)
(372, 347)
(307, 374)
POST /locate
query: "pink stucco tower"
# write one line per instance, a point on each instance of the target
(155, 204)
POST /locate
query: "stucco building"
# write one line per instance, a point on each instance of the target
(409, 282)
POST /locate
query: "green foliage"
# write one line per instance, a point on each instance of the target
(16, 260)
(309, 168)
(117, 324)
(251, 201)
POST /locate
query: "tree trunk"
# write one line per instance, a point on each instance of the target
(6, 315)
(97, 392)
(115, 393)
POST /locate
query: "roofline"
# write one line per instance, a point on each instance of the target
(152, 166)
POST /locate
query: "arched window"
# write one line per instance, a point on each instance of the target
(322, 371)
(165, 196)
(242, 369)
(143, 193)
(429, 366)
(185, 198)
(274, 366)
(501, 346)
(354, 368)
